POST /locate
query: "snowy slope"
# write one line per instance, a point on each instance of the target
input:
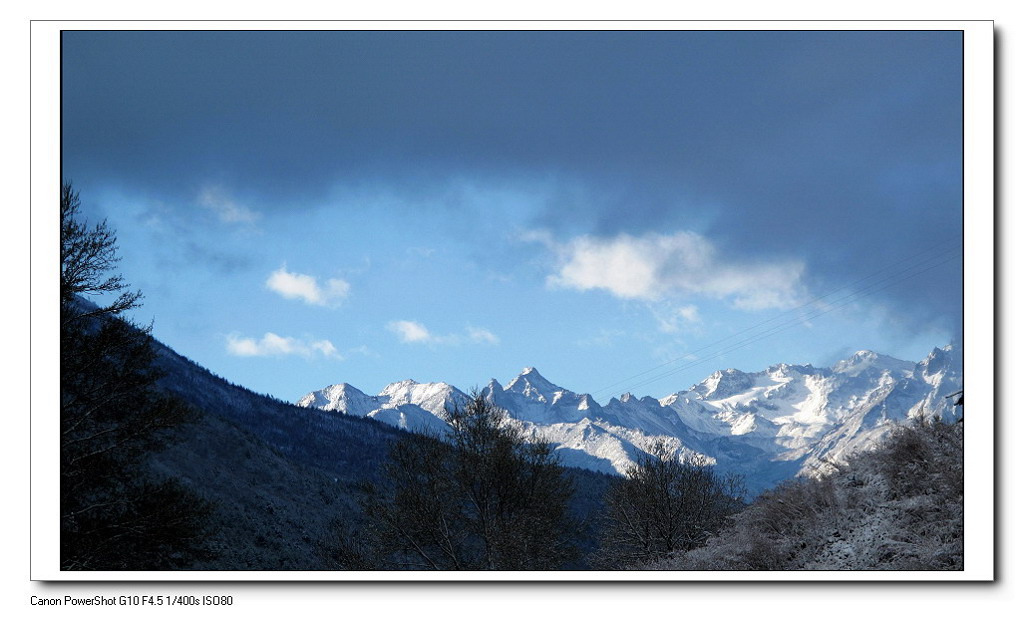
(406, 404)
(768, 425)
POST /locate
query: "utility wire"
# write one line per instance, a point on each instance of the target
(796, 310)
(775, 330)
(841, 302)
(767, 334)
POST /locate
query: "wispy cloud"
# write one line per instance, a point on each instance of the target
(482, 335)
(274, 345)
(361, 350)
(421, 251)
(293, 286)
(676, 318)
(657, 267)
(604, 338)
(411, 331)
(416, 332)
(216, 199)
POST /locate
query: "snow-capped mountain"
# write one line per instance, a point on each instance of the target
(767, 426)
(406, 404)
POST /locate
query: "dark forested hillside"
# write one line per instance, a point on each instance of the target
(280, 476)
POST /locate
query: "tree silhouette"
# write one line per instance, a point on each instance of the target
(664, 504)
(114, 515)
(484, 497)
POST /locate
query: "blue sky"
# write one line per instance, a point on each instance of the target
(308, 208)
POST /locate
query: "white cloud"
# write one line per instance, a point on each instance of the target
(326, 348)
(216, 199)
(306, 288)
(482, 335)
(416, 332)
(604, 338)
(273, 345)
(421, 251)
(674, 319)
(689, 313)
(362, 350)
(411, 331)
(659, 267)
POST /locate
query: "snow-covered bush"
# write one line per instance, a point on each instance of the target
(897, 508)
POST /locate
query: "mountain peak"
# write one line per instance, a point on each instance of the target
(722, 384)
(531, 383)
(405, 382)
(342, 397)
(532, 375)
(866, 360)
(942, 359)
(343, 387)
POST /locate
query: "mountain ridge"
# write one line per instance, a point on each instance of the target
(281, 477)
(767, 425)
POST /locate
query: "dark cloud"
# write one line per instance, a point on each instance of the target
(842, 149)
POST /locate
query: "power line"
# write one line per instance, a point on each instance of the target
(791, 311)
(841, 302)
(775, 330)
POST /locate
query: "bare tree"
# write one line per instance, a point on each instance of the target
(665, 503)
(87, 257)
(484, 497)
(113, 515)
